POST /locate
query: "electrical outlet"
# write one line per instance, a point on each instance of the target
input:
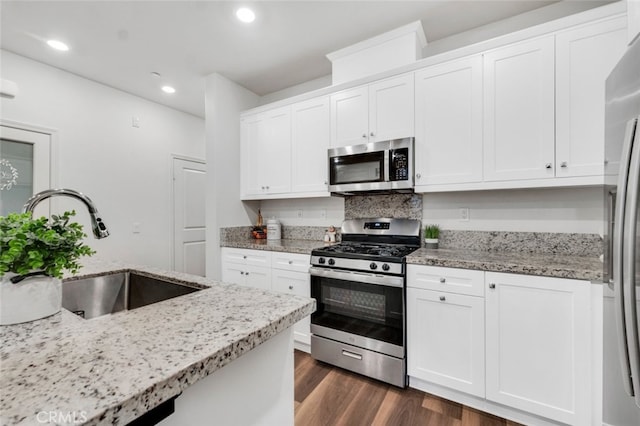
(135, 228)
(464, 214)
(300, 213)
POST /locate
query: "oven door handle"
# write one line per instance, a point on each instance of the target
(362, 277)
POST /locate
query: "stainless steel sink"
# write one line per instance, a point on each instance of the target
(106, 294)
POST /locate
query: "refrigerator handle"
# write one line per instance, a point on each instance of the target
(611, 209)
(618, 254)
(629, 264)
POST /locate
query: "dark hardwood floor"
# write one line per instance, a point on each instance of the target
(328, 396)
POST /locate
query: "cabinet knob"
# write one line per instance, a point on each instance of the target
(266, 187)
(372, 134)
(548, 166)
(492, 285)
(443, 280)
(244, 257)
(563, 164)
(291, 262)
(246, 273)
(364, 135)
(241, 273)
(418, 175)
(442, 298)
(290, 287)
(326, 183)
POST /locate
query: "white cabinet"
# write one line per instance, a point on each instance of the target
(380, 111)
(266, 152)
(538, 345)
(278, 271)
(251, 268)
(519, 105)
(310, 135)
(448, 122)
(584, 58)
(289, 274)
(445, 331)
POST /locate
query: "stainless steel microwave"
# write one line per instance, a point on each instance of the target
(376, 166)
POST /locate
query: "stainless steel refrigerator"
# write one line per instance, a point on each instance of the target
(621, 381)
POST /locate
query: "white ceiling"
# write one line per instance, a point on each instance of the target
(121, 43)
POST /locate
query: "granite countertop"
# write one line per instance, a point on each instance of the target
(114, 368)
(550, 265)
(286, 245)
(575, 267)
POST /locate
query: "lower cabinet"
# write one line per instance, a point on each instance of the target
(538, 344)
(522, 346)
(278, 271)
(445, 339)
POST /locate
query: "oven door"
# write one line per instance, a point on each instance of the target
(361, 309)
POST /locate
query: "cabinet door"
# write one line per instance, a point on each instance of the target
(311, 136)
(391, 109)
(251, 164)
(350, 117)
(445, 339)
(584, 58)
(519, 117)
(257, 277)
(275, 151)
(233, 273)
(448, 142)
(538, 345)
(297, 283)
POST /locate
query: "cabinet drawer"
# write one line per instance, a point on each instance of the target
(246, 257)
(290, 261)
(450, 280)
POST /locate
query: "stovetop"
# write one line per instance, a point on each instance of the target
(373, 251)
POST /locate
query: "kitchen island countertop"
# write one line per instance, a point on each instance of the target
(114, 368)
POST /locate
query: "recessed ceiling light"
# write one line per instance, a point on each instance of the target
(245, 15)
(58, 45)
(168, 89)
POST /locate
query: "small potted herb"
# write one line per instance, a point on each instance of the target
(431, 235)
(34, 253)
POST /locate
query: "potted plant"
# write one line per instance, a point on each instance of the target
(431, 235)
(34, 253)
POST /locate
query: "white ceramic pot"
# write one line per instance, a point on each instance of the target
(30, 299)
(431, 243)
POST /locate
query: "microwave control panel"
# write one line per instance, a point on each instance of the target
(399, 164)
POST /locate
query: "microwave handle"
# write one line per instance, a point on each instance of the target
(386, 177)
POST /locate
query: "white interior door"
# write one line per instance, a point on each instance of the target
(25, 168)
(189, 183)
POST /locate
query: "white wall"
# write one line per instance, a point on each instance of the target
(126, 171)
(224, 100)
(305, 211)
(530, 210)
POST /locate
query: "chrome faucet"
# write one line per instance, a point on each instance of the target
(99, 228)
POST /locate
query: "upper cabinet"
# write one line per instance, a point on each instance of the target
(380, 111)
(448, 142)
(519, 111)
(584, 58)
(265, 149)
(310, 131)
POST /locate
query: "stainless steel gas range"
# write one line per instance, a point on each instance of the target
(359, 287)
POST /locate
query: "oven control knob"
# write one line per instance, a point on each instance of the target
(385, 267)
(321, 261)
(372, 265)
(332, 262)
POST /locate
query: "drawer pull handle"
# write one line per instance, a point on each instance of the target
(442, 298)
(492, 286)
(443, 280)
(352, 355)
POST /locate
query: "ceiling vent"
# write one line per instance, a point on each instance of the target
(390, 50)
